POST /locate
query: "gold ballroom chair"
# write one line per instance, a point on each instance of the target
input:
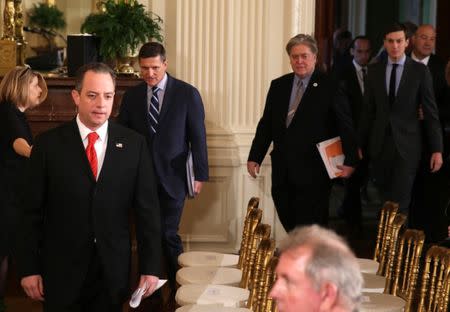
(229, 296)
(435, 287)
(259, 300)
(378, 263)
(376, 283)
(402, 276)
(207, 258)
(226, 275)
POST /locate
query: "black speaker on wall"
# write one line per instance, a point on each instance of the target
(81, 49)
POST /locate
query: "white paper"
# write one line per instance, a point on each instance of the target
(136, 297)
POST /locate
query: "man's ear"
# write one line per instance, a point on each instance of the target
(76, 97)
(329, 296)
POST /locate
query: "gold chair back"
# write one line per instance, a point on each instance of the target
(250, 224)
(267, 303)
(248, 228)
(402, 281)
(386, 267)
(435, 288)
(262, 232)
(386, 235)
(265, 253)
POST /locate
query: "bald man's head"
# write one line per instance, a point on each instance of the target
(424, 41)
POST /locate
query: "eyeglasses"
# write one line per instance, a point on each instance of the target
(24, 72)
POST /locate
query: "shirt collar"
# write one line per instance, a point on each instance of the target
(357, 66)
(84, 131)
(305, 80)
(400, 62)
(424, 60)
(162, 84)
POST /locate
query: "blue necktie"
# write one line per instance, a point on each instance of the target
(153, 111)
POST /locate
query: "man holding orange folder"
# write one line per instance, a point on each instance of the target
(299, 113)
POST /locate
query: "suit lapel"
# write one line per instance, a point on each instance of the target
(355, 80)
(75, 149)
(115, 144)
(379, 76)
(168, 97)
(312, 84)
(142, 94)
(403, 79)
(285, 96)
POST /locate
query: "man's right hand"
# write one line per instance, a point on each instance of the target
(253, 168)
(33, 287)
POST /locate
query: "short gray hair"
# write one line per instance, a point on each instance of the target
(302, 39)
(331, 261)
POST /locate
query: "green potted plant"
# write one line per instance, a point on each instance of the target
(122, 26)
(46, 20)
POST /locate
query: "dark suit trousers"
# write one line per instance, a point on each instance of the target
(94, 296)
(301, 204)
(350, 209)
(394, 176)
(171, 211)
(430, 212)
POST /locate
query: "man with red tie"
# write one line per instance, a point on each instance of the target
(87, 177)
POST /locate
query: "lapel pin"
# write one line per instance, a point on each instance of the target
(315, 84)
(119, 145)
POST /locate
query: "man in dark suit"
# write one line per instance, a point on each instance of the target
(170, 114)
(86, 178)
(430, 196)
(390, 130)
(424, 44)
(300, 183)
(350, 93)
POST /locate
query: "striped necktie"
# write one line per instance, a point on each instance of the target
(294, 104)
(153, 111)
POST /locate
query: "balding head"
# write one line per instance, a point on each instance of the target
(424, 41)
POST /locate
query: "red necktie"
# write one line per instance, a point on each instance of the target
(91, 154)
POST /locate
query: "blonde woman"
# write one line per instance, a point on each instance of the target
(20, 89)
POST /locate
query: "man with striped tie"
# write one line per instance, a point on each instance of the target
(170, 114)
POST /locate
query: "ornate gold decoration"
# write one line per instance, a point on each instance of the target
(8, 20)
(262, 232)
(18, 21)
(402, 281)
(7, 56)
(435, 288)
(18, 33)
(384, 235)
(248, 229)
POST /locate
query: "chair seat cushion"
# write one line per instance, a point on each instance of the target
(372, 302)
(368, 265)
(210, 308)
(206, 258)
(373, 283)
(209, 275)
(227, 296)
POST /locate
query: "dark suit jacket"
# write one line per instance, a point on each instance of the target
(437, 68)
(415, 88)
(349, 93)
(181, 124)
(66, 209)
(294, 148)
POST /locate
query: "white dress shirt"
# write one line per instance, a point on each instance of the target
(101, 143)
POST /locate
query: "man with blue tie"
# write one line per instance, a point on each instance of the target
(390, 131)
(170, 114)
